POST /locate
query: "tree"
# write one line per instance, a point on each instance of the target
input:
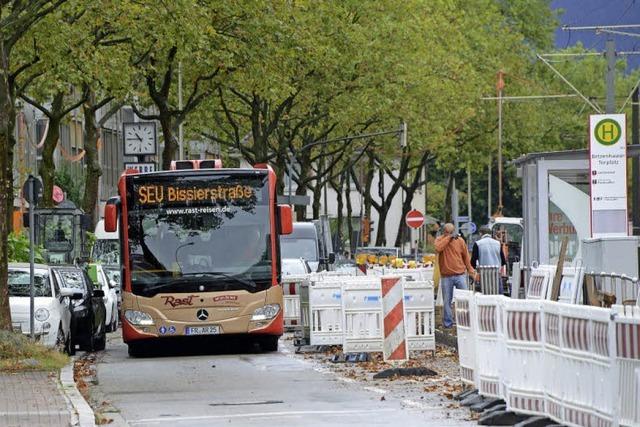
(16, 19)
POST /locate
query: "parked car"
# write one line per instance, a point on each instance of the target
(88, 313)
(52, 305)
(295, 266)
(101, 281)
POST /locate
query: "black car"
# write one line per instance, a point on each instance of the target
(88, 314)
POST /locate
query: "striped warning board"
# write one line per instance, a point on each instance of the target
(395, 344)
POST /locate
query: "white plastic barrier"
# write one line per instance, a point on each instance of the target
(523, 356)
(624, 288)
(579, 348)
(291, 300)
(325, 313)
(466, 330)
(490, 279)
(362, 308)
(571, 285)
(540, 282)
(489, 344)
(419, 315)
(627, 330)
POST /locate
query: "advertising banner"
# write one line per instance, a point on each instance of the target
(608, 174)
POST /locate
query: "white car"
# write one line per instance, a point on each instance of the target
(109, 287)
(51, 305)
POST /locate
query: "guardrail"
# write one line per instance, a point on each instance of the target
(578, 365)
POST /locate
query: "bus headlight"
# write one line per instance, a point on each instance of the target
(267, 312)
(41, 314)
(138, 318)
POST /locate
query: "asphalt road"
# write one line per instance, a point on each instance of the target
(225, 383)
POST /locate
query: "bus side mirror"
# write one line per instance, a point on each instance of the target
(286, 219)
(110, 218)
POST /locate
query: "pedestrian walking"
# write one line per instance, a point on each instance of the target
(454, 262)
(488, 251)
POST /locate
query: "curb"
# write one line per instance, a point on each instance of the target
(82, 413)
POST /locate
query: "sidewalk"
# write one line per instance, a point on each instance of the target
(33, 399)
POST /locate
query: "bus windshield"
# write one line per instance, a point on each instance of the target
(199, 233)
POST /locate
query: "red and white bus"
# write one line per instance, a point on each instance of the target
(200, 253)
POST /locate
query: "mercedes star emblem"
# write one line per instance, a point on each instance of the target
(202, 314)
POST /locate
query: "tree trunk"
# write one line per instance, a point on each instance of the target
(402, 227)
(367, 186)
(47, 168)
(7, 144)
(317, 196)
(447, 199)
(381, 231)
(92, 162)
(170, 142)
(339, 216)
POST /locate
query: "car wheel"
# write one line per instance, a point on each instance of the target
(269, 343)
(100, 343)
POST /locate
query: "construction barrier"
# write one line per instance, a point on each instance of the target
(394, 347)
(523, 356)
(627, 352)
(291, 300)
(362, 308)
(325, 312)
(578, 365)
(489, 344)
(347, 310)
(540, 281)
(419, 314)
(466, 330)
(490, 279)
(571, 285)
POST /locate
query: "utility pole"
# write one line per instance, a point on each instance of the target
(180, 139)
(500, 87)
(635, 162)
(469, 193)
(610, 54)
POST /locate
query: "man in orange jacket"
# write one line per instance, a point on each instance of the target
(454, 262)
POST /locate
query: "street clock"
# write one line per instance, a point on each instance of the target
(139, 138)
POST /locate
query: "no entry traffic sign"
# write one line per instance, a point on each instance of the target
(414, 219)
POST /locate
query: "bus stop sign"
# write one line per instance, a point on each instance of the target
(414, 219)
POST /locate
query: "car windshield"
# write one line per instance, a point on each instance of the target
(71, 279)
(19, 284)
(293, 266)
(203, 232)
(299, 248)
(106, 252)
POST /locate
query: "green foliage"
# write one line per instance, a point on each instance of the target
(73, 187)
(18, 353)
(18, 246)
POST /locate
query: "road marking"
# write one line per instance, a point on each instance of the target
(256, 415)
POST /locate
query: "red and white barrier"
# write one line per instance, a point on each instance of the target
(466, 330)
(291, 299)
(489, 344)
(627, 353)
(394, 347)
(539, 282)
(524, 363)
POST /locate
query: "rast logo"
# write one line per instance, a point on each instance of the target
(177, 302)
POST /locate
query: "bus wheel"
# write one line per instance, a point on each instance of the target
(269, 343)
(136, 349)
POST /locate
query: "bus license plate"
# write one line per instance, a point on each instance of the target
(202, 330)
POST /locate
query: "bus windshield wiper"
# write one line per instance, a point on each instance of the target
(188, 278)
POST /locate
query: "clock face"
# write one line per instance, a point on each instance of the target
(139, 138)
